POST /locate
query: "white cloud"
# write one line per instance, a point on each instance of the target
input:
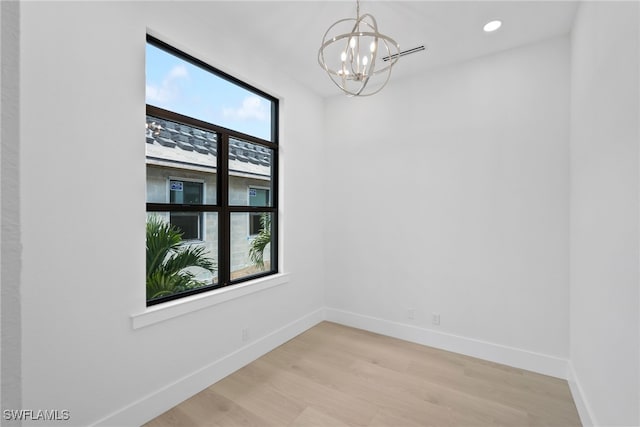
(169, 88)
(177, 72)
(253, 107)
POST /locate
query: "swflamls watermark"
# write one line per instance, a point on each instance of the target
(36, 415)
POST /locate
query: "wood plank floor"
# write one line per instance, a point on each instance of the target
(333, 375)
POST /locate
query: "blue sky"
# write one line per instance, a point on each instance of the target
(177, 85)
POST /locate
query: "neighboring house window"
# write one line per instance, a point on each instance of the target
(209, 138)
(186, 193)
(257, 197)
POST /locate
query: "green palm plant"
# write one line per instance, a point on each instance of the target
(168, 259)
(256, 250)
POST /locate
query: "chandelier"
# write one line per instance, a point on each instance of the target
(356, 56)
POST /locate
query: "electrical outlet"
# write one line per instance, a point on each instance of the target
(411, 313)
(435, 319)
(245, 334)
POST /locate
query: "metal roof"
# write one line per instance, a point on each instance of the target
(176, 145)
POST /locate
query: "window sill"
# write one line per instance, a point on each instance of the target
(169, 310)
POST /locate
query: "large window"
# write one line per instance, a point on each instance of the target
(212, 168)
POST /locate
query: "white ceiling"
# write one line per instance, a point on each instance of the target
(291, 31)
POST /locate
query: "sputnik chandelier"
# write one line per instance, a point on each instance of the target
(356, 56)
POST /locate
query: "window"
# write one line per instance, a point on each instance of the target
(257, 197)
(186, 193)
(211, 159)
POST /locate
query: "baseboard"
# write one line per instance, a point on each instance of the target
(584, 409)
(159, 401)
(518, 358)
(152, 405)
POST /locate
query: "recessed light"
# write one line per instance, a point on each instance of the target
(492, 26)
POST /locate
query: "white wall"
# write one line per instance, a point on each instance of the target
(82, 183)
(448, 194)
(604, 211)
(10, 249)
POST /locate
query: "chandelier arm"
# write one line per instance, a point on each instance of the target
(395, 59)
(363, 85)
(389, 67)
(327, 43)
(375, 23)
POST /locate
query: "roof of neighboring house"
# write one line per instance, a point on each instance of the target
(177, 145)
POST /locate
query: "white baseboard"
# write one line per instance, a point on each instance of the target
(584, 409)
(518, 358)
(159, 401)
(154, 404)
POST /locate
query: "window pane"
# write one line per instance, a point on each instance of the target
(188, 223)
(185, 192)
(250, 173)
(181, 163)
(259, 196)
(254, 223)
(250, 254)
(178, 85)
(175, 264)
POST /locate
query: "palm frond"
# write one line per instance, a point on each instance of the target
(160, 284)
(162, 238)
(168, 258)
(258, 245)
(194, 256)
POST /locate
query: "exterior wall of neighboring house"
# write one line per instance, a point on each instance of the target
(179, 154)
(158, 191)
(241, 236)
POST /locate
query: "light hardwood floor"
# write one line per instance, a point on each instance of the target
(333, 375)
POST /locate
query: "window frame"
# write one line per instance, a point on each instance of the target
(222, 207)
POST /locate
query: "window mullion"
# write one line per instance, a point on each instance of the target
(168, 207)
(224, 221)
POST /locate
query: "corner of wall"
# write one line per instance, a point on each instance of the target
(584, 410)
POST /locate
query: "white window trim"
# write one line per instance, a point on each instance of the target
(179, 307)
